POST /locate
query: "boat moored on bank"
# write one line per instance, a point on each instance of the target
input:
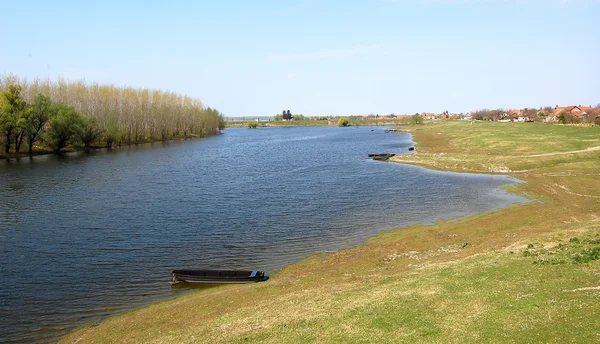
(217, 276)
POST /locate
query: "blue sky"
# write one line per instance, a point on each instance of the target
(256, 58)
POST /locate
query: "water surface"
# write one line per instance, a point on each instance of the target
(85, 236)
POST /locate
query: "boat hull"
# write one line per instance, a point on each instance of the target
(217, 276)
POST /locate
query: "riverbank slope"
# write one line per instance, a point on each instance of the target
(529, 273)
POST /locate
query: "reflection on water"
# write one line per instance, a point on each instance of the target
(87, 235)
(193, 286)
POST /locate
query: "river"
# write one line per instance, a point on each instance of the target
(88, 235)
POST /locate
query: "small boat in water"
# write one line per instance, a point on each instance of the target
(382, 156)
(217, 276)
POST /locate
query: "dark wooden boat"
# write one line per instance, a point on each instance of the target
(217, 276)
(383, 156)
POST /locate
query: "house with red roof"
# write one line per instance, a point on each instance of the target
(575, 110)
(516, 113)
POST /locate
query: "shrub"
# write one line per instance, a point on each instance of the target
(63, 127)
(343, 122)
(587, 255)
(252, 124)
(417, 119)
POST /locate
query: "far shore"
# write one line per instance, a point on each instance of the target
(520, 274)
(70, 149)
(318, 123)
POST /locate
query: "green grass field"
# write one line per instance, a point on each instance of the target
(529, 273)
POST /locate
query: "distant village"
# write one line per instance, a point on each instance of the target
(557, 114)
(569, 114)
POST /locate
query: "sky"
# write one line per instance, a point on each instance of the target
(318, 58)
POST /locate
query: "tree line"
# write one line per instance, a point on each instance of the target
(60, 113)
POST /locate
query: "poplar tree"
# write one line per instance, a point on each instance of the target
(12, 108)
(122, 115)
(36, 119)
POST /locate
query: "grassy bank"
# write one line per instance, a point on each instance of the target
(529, 273)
